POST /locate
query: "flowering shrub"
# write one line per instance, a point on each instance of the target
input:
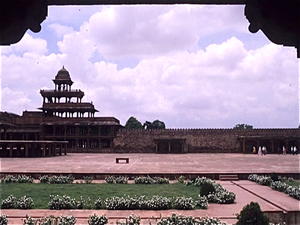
(137, 202)
(202, 202)
(132, 220)
(116, 180)
(262, 180)
(121, 180)
(189, 220)
(98, 203)
(44, 179)
(51, 220)
(181, 179)
(88, 179)
(110, 179)
(293, 192)
(12, 202)
(97, 220)
(3, 220)
(161, 180)
(64, 202)
(24, 203)
(215, 192)
(144, 180)
(277, 185)
(61, 179)
(19, 179)
(184, 203)
(9, 202)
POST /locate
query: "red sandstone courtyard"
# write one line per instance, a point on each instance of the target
(155, 163)
(273, 203)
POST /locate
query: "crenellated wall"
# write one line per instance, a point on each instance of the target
(197, 140)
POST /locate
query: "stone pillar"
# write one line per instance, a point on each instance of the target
(65, 149)
(244, 145)
(169, 145)
(44, 150)
(10, 150)
(60, 149)
(273, 150)
(26, 149)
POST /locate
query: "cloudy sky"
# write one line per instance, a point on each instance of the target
(189, 66)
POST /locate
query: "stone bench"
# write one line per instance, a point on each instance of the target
(122, 159)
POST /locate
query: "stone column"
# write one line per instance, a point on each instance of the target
(44, 150)
(26, 149)
(10, 150)
(244, 145)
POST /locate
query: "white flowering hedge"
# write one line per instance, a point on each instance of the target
(131, 220)
(184, 203)
(277, 185)
(137, 202)
(18, 179)
(61, 179)
(220, 195)
(144, 180)
(150, 180)
(176, 219)
(12, 202)
(3, 219)
(66, 202)
(51, 220)
(116, 180)
(97, 220)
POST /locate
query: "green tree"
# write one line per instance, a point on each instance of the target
(251, 214)
(133, 123)
(156, 124)
(243, 126)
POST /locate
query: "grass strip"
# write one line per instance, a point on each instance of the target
(40, 192)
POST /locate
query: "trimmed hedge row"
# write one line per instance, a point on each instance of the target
(278, 185)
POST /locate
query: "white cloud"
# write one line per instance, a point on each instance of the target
(61, 30)
(27, 44)
(12, 101)
(174, 80)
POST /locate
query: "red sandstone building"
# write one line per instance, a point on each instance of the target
(67, 124)
(65, 121)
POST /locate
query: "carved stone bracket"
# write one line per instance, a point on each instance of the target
(277, 19)
(17, 16)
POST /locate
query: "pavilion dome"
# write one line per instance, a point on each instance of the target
(63, 74)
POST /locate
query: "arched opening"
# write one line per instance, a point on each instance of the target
(163, 147)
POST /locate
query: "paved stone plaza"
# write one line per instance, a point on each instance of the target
(155, 163)
(274, 203)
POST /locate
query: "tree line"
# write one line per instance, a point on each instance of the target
(133, 123)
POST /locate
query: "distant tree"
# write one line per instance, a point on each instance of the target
(243, 126)
(156, 124)
(133, 123)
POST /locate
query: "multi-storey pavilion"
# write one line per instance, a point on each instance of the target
(65, 118)
(59, 102)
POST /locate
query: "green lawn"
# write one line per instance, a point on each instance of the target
(40, 192)
(295, 183)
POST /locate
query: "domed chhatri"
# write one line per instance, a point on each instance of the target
(63, 77)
